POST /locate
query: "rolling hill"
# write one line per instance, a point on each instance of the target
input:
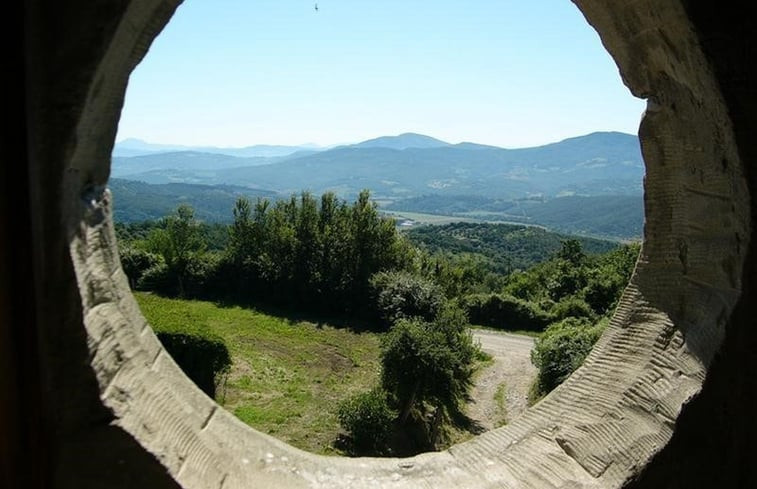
(601, 163)
(137, 147)
(507, 245)
(140, 201)
(403, 141)
(411, 165)
(607, 216)
(588, 185)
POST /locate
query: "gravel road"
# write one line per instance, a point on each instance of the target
(512, 368)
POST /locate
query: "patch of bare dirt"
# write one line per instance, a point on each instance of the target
(512, 369)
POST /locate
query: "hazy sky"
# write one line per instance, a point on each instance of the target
(502, 72)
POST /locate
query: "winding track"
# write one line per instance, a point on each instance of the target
(512, 366)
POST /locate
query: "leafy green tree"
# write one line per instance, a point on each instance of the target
(561, 349)
(308, 254)
(608, 278)
(307, 261)
(572, 252)
(428, 365)
(572, 306)
(566, 279)
(462, 273)
(178, 243)
(505, 311)
(400, 294)
(135, 261)
(337, 253)
(241, 241)
(374, 243)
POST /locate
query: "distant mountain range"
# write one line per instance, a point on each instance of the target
(404, 166)
(137, 147)
(589, 185)
(403, 141)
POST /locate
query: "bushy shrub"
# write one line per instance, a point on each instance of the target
(526, 285)
(565, 278)
(136, 261)
(367, 418)
(428, 363)
(158, 278)
(603, 292)
(399, 294)
(562, 348)
(200, 274)
(572, 307)
(504, 311)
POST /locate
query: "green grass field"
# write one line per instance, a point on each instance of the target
(476, 216)
(287, 377)
(429, 218)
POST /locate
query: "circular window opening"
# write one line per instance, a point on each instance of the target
(301, 256)
(650, 361)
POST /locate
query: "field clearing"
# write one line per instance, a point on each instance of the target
(433, 219)
(287, 376)
(487, 217)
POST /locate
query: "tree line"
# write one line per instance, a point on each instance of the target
(301, 254)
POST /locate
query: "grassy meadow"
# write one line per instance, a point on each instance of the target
(287, 376)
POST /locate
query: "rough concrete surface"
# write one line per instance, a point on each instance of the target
(670, 377)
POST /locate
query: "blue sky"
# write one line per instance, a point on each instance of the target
(501, 72)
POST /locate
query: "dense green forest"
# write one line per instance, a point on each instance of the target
(506, 247)
(337, 259)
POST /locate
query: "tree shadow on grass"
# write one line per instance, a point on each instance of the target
(407, 440)
(294, 315)
(463, 422)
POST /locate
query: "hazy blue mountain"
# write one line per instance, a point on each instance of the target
(393, 168)
(139, 201)
(137, 147)
(595, 164)
(403, 141)
(180, 166)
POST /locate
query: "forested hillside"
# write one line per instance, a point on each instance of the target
(617, 217)
(139, 201)
(511, 247)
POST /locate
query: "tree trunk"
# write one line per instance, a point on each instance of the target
(409, 406)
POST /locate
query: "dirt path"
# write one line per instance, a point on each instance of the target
(501, 389)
